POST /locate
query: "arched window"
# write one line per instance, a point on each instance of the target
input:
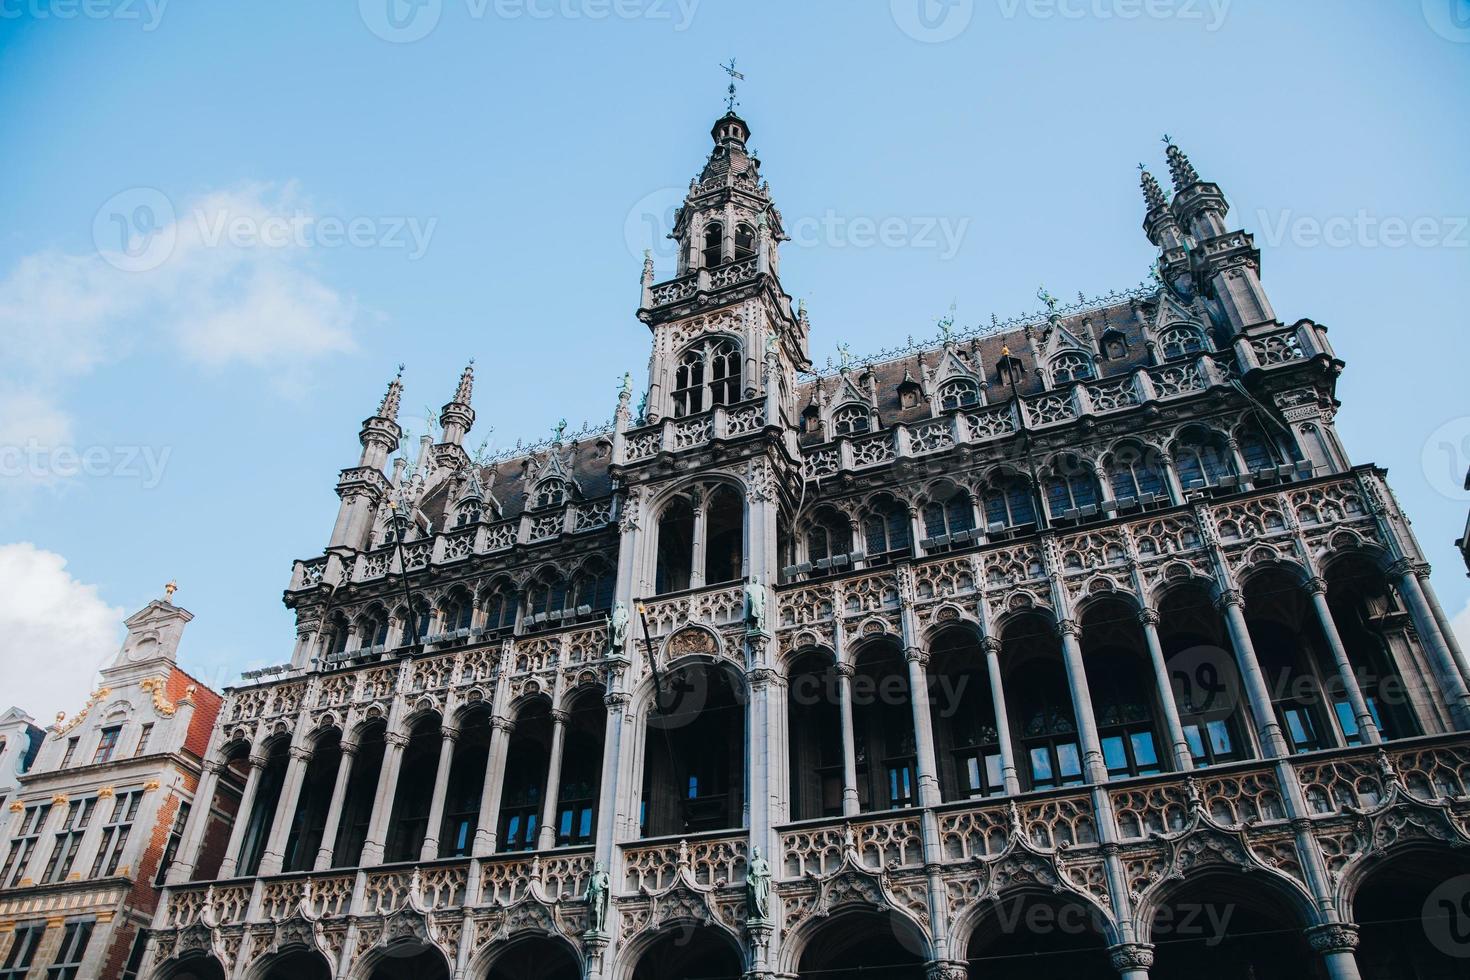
(1071, 365)
(852, 420)
(547, 597)
(337, 635)
(949, 516)
(1260, 450)
(828, 537)
(1202, 459)
(708, 375)
(714, 244)
(1180, 341)
(1070, 486)
(396, 529)
(468, 513)
(1008, 503)
(744, 241)
(456, 614)
(886, 530)
(373, 630)
(500, 608)
(958, 393)
(675, 546)
(1133, 473)
(415, 626)
(724, 535)
(595, 587)
(551, 493)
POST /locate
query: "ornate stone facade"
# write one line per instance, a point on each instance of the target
(1075, 646)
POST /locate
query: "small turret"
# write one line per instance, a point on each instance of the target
(1199, 206)
(380, 433)
(361, 487)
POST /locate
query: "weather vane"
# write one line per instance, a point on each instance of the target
(730, 101)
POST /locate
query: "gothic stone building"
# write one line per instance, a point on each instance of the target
(92, 826)
(1073, 647)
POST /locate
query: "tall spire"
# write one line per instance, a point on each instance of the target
(1183, 172)
(388, 407)
(1153, 194)
(457, 417)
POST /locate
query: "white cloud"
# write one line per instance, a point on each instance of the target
(58, 632)
(221, 281)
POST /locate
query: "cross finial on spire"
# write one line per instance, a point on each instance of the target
(1167, 140)
(730, 101)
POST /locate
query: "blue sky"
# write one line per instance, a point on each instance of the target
(484, 190)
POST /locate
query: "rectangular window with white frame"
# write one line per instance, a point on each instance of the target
(68, 962)
(115, 833)
(17, 962)
(69, 839)
(24, 845)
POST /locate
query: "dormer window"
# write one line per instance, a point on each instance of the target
(1008, 370)
(714, 244)
(1114, 345)
(959, 393)
(708, 375)
(1179, 342)
(469, 513)
(811, 420)
(551, 493)
(1072, 366)
(852, 420)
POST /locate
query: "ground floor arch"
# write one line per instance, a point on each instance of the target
(1028, 935)
(862, 944)
(1413, 915)
(1232, 926)
(296, 964)
(407, 961)
(536, 958)
(689, 952)
(198, 967)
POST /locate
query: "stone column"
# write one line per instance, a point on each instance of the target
(328, 846)
(546, 835)
(372, 848)
(616, 702)
(487, 827)
(188, 855)
(929, 795)
(242, 818)
(1268, 729)
(1445, 628)
(447, 738)
(851, 801)
(1367, 727)
(1171, 477)
(696, 558)
(1093, 767)
(1452, 683)
(275, 844)
(1183, 758)
(1002, 717)
(1336, 943)
(1132, 960)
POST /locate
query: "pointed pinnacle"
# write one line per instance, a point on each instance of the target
(388, 407)
(466, 384)
(1181, 169)
(1153, 194)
